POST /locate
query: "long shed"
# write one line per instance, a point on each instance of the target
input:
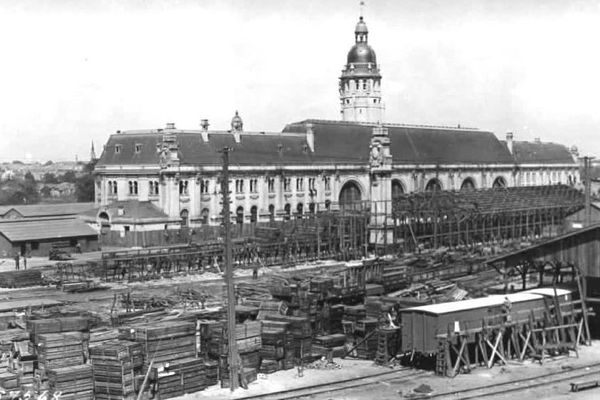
(422, 325)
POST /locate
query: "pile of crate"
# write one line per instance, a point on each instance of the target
(277, 351)
(183, 376)
(249, 342)
(114, 369)
(73, 383)
(57, 343)
(300, 332)
(329, 345)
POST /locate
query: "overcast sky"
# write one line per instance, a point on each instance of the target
(75, 71)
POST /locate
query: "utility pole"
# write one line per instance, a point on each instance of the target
(232, 344)
(588, 189)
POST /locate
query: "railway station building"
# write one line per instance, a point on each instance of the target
(313, 164)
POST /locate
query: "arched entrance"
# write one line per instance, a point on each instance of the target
(253, 214)
(271, 212)
(204, 216)
(499, 182)
(104, 222)
(299, 210)
(350, 195)
(433, 185)
(239, 215)
(397, 188)
(184, 218)
(467, 184)
(288, 211)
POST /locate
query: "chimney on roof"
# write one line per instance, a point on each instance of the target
(575, 152)
(204, 124)
(509, 142)
(310, 137)
(170, 125)
(537, 140)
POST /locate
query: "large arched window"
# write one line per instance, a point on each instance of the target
(204, 215)
(397, 188)
(350, 195)
(299, 210)
(499, 182)
(271, 212)
(253, 214)
(433, 185)
(467, 184)
(239, 215)
(288, 211)
(184, 218)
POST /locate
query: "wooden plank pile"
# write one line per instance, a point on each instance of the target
(249, 342)
(163, 342)
(300, 331)
(333, 344)
(21, 278)
(113, 371)
(184, 376)
(73, 383)
(277, 352)
(58, 350)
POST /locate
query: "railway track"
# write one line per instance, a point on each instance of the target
(518, 385)
(331, 387)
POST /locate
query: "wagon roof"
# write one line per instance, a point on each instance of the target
(471, 304)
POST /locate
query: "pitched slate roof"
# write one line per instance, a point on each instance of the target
(44, 228)
(542, 153)
(48, 210)
(409, 144)
(254, 148)
(334, 142)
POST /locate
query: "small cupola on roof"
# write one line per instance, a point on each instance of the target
(360, 83)
(237, 127)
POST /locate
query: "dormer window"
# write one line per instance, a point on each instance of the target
(138, 148)
(117, 148)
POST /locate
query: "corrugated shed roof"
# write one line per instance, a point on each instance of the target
(27, 230)
(44, 210)
(542, 153)
(482, 302)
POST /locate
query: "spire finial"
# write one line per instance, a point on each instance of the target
(362, 9)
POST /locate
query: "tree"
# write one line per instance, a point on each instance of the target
(49, 177)
(19, 191)
(47, 163)
(84, 185)
(68, 176)
(29, 177)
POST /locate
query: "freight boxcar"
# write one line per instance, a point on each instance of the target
(563, 295)
(421, 325)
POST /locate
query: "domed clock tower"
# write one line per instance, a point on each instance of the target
(360, 83)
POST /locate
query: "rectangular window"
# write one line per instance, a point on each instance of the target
(133, 187)
(299, 184)
(311, 183)
(153, 191)
(183, 188)
(271, 185)
(253, 185)
(287, 184)
(138, 148)
(239, 186)
(35, 245)
(117, 148)
(204, 186)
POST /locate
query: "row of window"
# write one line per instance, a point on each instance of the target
(239, 214)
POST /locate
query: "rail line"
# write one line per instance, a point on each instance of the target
(509, 386)
(329, 387)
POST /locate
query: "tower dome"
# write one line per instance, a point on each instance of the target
(360, 83)
(237, 125)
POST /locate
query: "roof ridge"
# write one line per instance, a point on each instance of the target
(392, 124)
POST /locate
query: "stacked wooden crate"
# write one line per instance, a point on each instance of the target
(163, 342)
(365, 333)
(249, 342)
(184, 376)
(73, 383)
(300, 332)
(326, 345)
(113, 370)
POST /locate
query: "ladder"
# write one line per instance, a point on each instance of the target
(383, 357)
(441, 363)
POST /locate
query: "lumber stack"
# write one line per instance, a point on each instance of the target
(277, 352)
(58, 350)
(74, 383)
(249, 342)
(163, 342)
(21, 278)
(333, 344)
(113, 371)
(376, 308)
(270, 307)
(300, 331)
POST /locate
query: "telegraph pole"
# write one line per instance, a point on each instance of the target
(588, 189)
(232, 344)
